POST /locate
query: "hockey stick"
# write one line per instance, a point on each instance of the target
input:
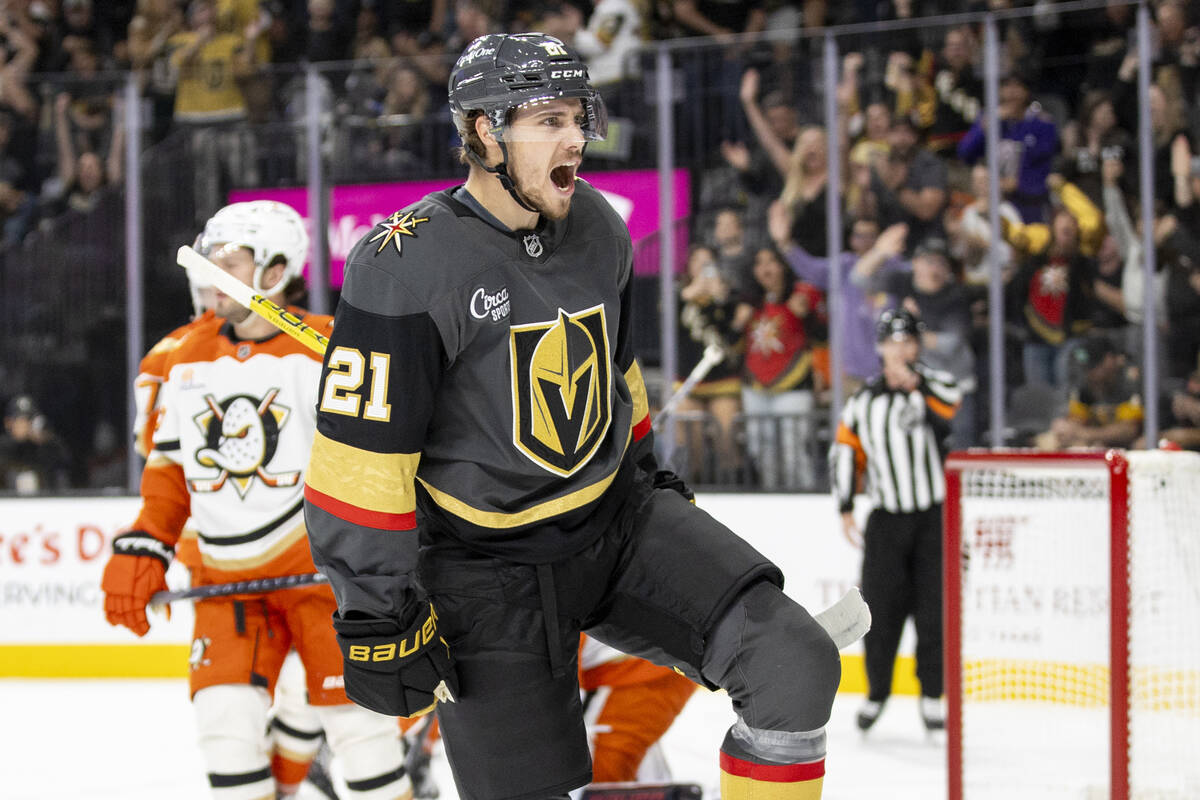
(713, 355)
(255, 586)
(242, 294)
(847, 620)
(418, 759)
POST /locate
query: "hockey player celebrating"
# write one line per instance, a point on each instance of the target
(480, 381)
(235, 423)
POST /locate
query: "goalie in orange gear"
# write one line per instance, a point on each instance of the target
(235, 420)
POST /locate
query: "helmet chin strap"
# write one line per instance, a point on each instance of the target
(501, 173)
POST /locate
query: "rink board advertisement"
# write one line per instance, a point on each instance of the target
(52, 554)
(356, 208)
(53, 551)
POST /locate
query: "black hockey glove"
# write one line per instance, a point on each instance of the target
(666, 479)
(398, 672)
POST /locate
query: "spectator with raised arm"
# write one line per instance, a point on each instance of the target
(714, 74)
(1051, 293)
(763, 163)
(958, 89)
(930, 292)
(82, 175)
(1089, 141)
(1130, 301)
(869, 251)
(209, 101)
(1174, 184)
(909, 185)
(781, 326)
(707, 306)
(149, 31)
(1028, 144)
(806, 182)
(16, 60)
(970, 233)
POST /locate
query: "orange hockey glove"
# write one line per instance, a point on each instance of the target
(396, 671)
(134, 572)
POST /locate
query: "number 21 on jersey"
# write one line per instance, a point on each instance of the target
(347, 368)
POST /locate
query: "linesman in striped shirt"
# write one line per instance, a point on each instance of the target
(893, 430)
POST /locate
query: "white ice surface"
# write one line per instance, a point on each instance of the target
(134, 740)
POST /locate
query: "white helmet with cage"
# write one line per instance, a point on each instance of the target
(268, 229)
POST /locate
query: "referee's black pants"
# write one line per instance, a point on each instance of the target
(902, 576)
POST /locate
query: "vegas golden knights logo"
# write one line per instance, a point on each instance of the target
(561, 389)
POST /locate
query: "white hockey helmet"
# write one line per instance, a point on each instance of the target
(268, 229)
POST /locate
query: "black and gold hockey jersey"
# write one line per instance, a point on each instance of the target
(482, 378)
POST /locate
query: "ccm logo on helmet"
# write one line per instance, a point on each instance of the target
(566, 73)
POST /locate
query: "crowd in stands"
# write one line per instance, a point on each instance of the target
(913, 192)
(914, 200)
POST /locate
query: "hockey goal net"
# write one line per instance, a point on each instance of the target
(1073, 625)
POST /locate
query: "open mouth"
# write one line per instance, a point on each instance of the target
(563, 176)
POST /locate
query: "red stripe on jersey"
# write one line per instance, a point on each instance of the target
(641, 428)
(381, 520)
(772, 773)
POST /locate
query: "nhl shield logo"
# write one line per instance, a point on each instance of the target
(562, 386)
(533, 245)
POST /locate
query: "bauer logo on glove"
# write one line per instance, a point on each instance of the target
(396, 671)
(396, 650)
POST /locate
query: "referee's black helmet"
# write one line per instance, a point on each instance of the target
(897, 323)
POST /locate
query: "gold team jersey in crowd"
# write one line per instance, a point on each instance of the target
(207, 89)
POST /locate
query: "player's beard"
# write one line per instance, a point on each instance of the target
(555, 208)
(536, 190)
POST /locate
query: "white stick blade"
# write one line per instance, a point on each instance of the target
(847, 620)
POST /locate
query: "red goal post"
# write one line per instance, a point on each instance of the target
(1072, 624)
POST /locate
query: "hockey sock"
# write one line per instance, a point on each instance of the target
(289, 773)
(745, 778)
(292, 751)
(747, 775)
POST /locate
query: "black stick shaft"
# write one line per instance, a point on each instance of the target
(256, 586)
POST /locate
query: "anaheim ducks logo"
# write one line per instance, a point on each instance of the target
(241, 434)
(561, 389)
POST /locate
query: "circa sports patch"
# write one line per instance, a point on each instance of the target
(397, 225)
(562, 388)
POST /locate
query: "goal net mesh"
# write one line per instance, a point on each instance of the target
(1035, 635)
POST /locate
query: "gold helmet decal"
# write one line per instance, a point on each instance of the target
(561, 389)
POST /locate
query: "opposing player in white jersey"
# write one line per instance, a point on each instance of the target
(235, 423)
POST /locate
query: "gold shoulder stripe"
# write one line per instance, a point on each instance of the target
(637, 388)
(380, 482)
